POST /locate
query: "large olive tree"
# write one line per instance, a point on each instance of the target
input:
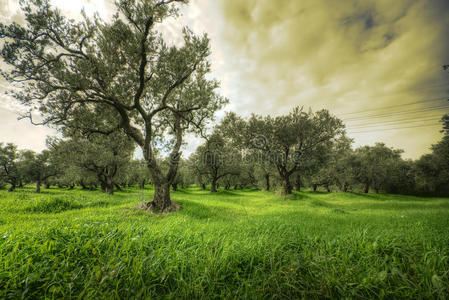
(73, 73)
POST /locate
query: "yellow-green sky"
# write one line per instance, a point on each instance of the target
(346, 56)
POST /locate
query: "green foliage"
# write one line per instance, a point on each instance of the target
(231, 244)
(216, 159)
(97, 76)
(9, 171)
(286, 142)
(100, 156)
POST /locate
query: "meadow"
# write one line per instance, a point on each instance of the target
(243, 244)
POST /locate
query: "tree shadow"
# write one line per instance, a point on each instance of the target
(199, 211)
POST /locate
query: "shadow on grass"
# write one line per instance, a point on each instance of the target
(200, 211)
(390, 197)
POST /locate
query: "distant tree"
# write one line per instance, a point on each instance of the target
(402, 177)
(77, 74)
(445, 121)
(9, 171)
(319, 169)
(182, 178)
(38, 168)
(433, 169)
(374, 165)
(102, 155)
(289, 141)
(135, 172)
(339, 167)
(216, 159)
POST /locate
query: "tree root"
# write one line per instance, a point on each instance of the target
(151, 208)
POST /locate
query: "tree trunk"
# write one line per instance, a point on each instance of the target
(327, 188)
(110, 186)
(227, 186)
(174, 186)
(117, 186)
(298, 184)
(345, 188)
(103, 186)
(84, 187)
(203, 186)
(286, 187)
(161, 200)
(267, 181)
(213, 186)
(315, 187)
(366, 188)
(142, 184)
(38, 186)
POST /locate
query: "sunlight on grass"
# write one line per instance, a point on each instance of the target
(232, 244)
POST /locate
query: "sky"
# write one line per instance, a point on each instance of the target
(377, 65)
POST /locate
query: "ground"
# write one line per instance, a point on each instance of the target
(233, 244)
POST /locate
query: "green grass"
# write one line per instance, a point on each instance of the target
(233, 244)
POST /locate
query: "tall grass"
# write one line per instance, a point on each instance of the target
(233, 244)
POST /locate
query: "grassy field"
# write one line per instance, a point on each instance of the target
(233, 244)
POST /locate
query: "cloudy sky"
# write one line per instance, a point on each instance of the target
(375, 64)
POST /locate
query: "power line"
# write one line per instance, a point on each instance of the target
(404, 118)
(396, 128)
(395, 122)
(397, 105)
(440, 107)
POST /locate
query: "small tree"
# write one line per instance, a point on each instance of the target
(374, 165)
(38, 168)
(103, 155)
(8, 164)
(216, 159)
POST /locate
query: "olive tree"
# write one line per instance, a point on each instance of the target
(38, 167)
(289, 141)
(104, 156)
(73, 73)
(374, 165)
(9, 157)
(216, 159)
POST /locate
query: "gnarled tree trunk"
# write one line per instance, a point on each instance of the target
(213, 187)
(298, 184)
(110, 186)
(161, 201)
(267, 182)
(366, 188)
(38, 186)
(286, 186)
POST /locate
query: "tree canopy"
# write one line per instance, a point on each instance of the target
(79, 74)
